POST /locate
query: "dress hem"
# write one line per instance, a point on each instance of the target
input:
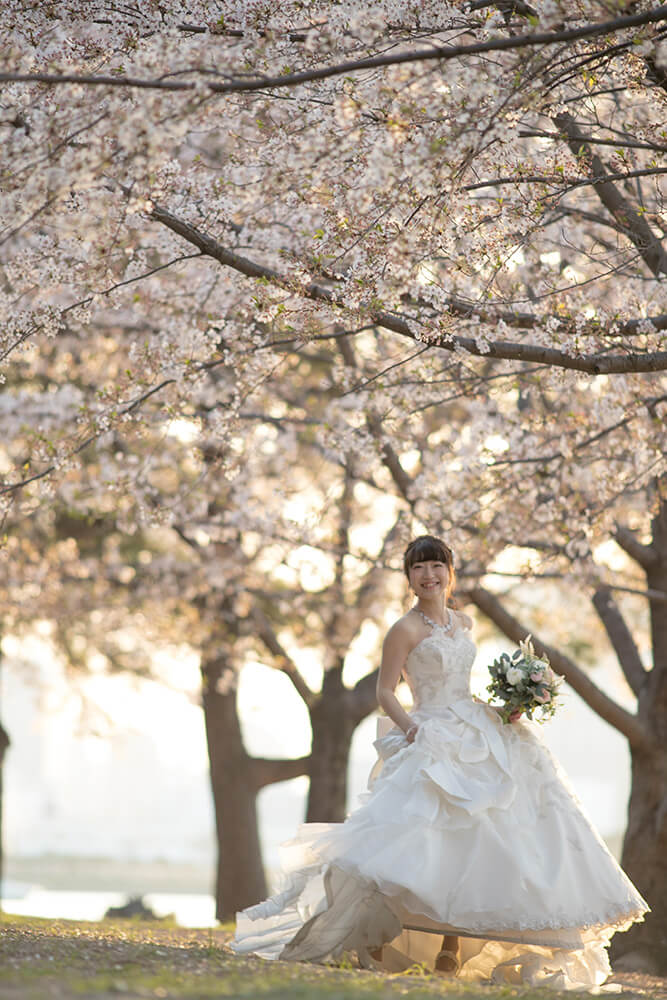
(617, 921)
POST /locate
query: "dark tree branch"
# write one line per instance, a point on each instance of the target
(281, 661)
(267, 771)
(595, 364)
(645, 555)
(596, 180)
(528, 321)
(506, 6)
(434, 53)
(364, 697)
(338, 611)
(634, 225)
(594, 141)
(606, 707)
(620, 638)
(200, 29)
(390, 459)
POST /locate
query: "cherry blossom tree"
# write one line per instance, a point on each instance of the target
(193, 556)
(479, 177)
(524, 490)
(123, 592)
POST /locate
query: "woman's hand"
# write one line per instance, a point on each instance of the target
(513, 717)
(411, 732)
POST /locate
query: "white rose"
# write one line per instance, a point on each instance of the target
(514, 676)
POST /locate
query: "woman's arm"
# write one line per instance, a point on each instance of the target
(395, 649)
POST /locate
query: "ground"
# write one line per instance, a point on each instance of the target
(62, 959)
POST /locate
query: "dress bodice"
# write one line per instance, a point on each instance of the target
(438, 668)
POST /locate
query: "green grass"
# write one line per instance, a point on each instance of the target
(61, 958)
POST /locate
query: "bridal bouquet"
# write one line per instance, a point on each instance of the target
(524, 681)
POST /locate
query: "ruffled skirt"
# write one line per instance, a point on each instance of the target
(472, 830)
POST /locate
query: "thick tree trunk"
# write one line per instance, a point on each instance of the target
(645, 846)
(4, 743)
(333, 728)
(240, 876)
(645, 857)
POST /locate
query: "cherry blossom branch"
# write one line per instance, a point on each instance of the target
(594, 364)
(82, 303)
(390, 459)
(593, 141)
(21, 483)
(33, 215)
(649, 404)
(527, 321)
(433, 53)
(201, 29)
(571, 183)
(613, 713)
(633, 224)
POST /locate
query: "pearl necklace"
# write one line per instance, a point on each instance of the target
(429, 621)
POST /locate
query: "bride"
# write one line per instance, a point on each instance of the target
(469, 852)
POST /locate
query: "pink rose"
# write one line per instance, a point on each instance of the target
(536, 675)
(544, 698)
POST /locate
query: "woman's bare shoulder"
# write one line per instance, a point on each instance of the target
(404, 629)
(464, 620)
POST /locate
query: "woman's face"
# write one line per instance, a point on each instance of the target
(429, 578)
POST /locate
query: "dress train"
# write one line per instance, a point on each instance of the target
(471, 830)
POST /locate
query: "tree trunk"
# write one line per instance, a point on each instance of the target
(240, 876)
(645, 857)
(645, 845)
(4, 743)
(332, 727)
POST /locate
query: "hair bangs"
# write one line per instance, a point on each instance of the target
(427, 548)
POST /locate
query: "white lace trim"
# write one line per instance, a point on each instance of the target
(615, 920)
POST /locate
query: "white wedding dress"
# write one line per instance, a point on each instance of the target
(472, 830)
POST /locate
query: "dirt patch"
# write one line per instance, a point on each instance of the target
(641, 985)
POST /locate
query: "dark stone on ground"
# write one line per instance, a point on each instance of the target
(133, 908)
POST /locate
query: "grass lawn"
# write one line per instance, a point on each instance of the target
(64, 958)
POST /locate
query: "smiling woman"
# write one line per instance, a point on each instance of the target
(426, 869)
(429, 566)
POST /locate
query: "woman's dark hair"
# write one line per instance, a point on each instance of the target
(427, 548)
